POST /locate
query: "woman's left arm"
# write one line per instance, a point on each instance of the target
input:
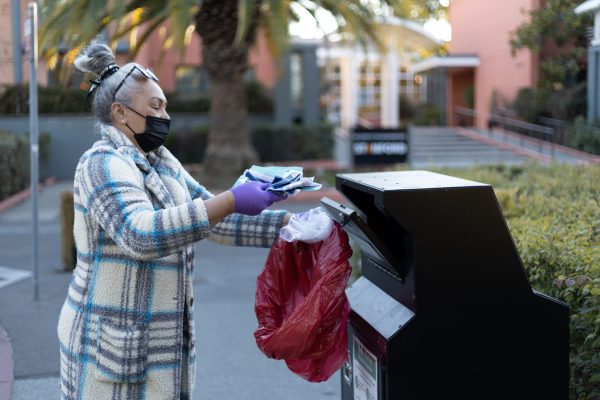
(242, 230)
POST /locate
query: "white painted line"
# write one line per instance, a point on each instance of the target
(8, 276)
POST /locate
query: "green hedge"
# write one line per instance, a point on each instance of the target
(427, 115)
(58, 99)
(564, 104)
(51, 99)
(584, 137)
(14, 161)
(554, 217)
(272, 143)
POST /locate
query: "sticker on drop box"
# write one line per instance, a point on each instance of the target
(364, 370)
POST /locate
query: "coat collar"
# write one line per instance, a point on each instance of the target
(160, 159)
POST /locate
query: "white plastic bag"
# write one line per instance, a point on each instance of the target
(310, 227)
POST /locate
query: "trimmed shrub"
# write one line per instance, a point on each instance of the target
(260, 100)
(564, 104)
(51, 100)
(58, 99)
(196, 104)
(584, 137)
(272, 143)
(188, 146)
(15, 163)
(427, 115)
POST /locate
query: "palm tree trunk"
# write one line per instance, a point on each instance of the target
(229, 150)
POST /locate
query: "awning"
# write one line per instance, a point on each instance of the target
(587, 6)
(468, 61)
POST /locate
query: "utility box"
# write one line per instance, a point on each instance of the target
(443, 309)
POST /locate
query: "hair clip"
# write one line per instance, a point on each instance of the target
(95, 84)
(106, 72)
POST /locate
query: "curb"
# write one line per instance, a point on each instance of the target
(6, 365)
(18, 197)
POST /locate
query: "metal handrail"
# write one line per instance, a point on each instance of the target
(517, 126)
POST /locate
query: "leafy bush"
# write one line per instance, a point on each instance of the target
(468, 96)
(427, 114)
(272, 143)
(59, 99)
(554, 217)
(197, 104)
(565, 103)
(584, 137)
(51, 99)
(14, 161)
(407, 108)
(260, 100)
(529, 103)
(294, 142)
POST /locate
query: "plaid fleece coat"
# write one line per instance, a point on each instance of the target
(126, 329)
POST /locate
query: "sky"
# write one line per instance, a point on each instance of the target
(307, 28)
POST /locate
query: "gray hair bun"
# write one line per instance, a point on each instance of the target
(95, 57)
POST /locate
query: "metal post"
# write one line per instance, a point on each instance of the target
(32, 23)
(17, 49)
(16, 24)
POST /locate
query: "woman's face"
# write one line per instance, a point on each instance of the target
(148, 100)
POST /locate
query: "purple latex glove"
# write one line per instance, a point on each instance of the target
(252, 197)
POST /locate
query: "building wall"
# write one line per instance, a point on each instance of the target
(483, 27)
(7, 71)
(7, 74)
(259, 59)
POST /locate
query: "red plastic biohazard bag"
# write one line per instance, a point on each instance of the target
(301, 306)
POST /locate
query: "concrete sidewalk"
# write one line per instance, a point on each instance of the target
(229, 362)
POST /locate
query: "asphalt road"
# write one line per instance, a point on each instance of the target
(230, 366)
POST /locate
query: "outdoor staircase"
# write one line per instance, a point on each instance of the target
(445, 147)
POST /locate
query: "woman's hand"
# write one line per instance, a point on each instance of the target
(252, 197)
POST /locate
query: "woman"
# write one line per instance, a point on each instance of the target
(126, 329)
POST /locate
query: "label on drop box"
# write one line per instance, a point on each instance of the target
(364, 370)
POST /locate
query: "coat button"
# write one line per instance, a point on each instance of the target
(191, 301)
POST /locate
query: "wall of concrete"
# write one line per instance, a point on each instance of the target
(483, 28)
(72, 135)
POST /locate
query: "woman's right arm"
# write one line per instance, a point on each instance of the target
(114, 196)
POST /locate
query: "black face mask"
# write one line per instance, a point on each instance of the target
(155, 135)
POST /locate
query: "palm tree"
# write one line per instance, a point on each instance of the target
(227, 29)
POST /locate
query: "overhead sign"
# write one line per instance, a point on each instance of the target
(380, 146)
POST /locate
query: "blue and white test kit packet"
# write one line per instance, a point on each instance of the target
(283, 180)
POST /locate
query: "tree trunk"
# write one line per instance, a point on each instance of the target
(229, 150)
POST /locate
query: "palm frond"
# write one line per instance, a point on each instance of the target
(181, 16)
(274, 20)
(73, 22)
(246, 14)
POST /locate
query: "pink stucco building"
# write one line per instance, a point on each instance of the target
(480, 62)
(172, 67)
(7, 70)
